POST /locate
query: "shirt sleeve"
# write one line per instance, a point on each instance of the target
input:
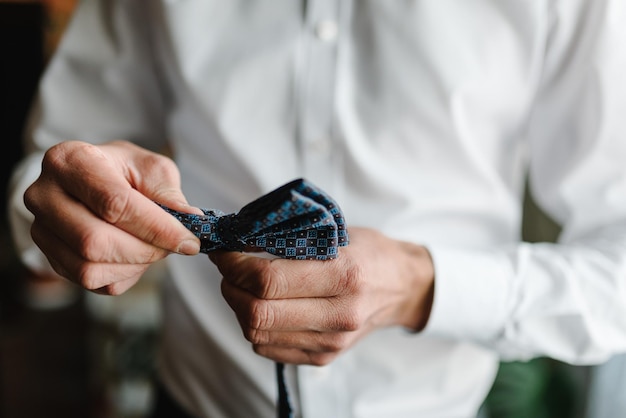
(101, 85)
(565, 300)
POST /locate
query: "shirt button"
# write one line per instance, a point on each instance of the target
(326, 30)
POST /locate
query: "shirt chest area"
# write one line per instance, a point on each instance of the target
(446, 44)
(381, 73)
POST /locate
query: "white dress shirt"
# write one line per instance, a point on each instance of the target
(422, 118)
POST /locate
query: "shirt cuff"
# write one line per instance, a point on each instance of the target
(473, 290)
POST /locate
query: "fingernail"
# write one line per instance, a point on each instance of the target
(192, 209)
(189, 247)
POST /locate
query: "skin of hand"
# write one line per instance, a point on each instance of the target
(309, 312)
(94, 213)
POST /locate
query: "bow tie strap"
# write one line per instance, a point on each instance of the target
(295, 221)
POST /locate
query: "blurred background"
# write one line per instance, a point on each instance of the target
(65, 353)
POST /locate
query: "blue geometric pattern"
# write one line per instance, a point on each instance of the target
(296, 221)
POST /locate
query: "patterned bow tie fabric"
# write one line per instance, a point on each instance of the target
(296, 221)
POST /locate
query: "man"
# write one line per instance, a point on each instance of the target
(421, 118)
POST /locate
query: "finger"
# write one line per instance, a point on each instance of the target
(106, 278)
(281, 279)
(105, 186)
(317, 342)
(154, 175)
(294, 355)
(117, 288)
(302, 314)
(89, 236)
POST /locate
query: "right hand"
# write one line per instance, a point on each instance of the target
(95, 216)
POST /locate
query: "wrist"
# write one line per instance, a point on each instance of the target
(419, 270)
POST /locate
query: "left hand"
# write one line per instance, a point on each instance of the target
(308, 312)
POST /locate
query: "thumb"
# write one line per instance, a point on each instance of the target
(154, 175)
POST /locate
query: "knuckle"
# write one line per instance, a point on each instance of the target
(160, 163)
(91, 246)
(350, 281)
(277, 282)
(256, 337)
(54, 158)
(267, 279)
(96, 246)
(151, 255)
(352, 322)
(114, 206)
(258, 349)
(87, 277)
(156, 231)
(264, 281)
(335, 343)
(261, 315)
(60, 157)
(320, 359)
(31, 198)
(97, 279)
(115, 289)
(36, 198)
(349, 320)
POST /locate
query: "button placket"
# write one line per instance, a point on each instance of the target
(316, 101)
(318, 392)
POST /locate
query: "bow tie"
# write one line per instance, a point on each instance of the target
(296, 221)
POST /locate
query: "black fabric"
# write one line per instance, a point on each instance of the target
(284, 404)
(165, 406)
